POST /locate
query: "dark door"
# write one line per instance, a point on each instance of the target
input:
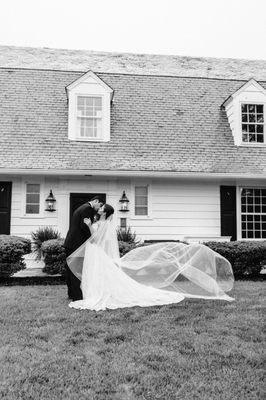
(5, 207)
(228, 211)
(77, 199)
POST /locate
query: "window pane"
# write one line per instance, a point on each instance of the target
(33, 188)
(260, 108)
(141, 211)
(32, 209)
(259, 117)
(141, 201)
(244, 108)
(251, 108)
(33, 198)
(141, 190)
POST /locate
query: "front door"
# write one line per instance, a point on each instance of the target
(77, 199)
(5, 207)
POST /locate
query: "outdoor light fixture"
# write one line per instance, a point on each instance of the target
(124, 202)
(50, 202)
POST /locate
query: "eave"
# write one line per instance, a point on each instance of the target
(136, 174)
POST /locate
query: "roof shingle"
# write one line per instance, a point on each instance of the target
(158, 123)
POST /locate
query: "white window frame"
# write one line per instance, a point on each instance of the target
(77, 134)
(239, 211)
(252, 144)
(24, 194)
(141, 217)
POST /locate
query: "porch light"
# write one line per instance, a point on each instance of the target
(50, 202)
(124, 202)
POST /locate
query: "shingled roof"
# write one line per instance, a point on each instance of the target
(158, 123)
(128, 63)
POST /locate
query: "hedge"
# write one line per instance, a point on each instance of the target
(246, 257)
(12, 248)
(54, 256)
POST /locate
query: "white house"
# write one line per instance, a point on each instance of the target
(183, 137)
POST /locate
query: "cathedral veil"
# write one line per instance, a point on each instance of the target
(193, 270)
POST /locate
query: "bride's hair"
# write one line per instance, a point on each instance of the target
(109, 210)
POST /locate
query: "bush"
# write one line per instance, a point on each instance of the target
(12, 248)
(42, 235)
(54, 256)
(125, 247)
(126, 235)
(247, 258)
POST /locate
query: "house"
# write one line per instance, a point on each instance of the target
(183, 138)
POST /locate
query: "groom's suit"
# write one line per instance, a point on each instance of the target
(78, 233)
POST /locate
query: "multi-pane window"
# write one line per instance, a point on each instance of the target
(32, 198)
(141, 200)
(252, 116)
(253, 213)
(89, 117)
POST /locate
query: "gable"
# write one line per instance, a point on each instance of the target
(251, 93)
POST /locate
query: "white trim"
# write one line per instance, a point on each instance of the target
(89, 139)
(122, 173)
(89, 85)
(39, 181)
(251, 144)
(135, 183)
(244, 95)
(84, 78)
(239, 212)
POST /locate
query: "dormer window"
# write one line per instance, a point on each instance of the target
(252, 123)
(89, 100)
(245, 111)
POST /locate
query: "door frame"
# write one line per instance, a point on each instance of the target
(9, 184)
(74, 195)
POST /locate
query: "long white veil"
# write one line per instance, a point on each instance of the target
(192, 270)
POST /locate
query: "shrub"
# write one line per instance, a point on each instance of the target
(12, 248)
(54, 256)
(126, 235)
(246, 257)
(125, 247)
(42, 235)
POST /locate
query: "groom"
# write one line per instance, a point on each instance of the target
(77, 234)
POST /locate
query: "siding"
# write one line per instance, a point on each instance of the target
(178, 208)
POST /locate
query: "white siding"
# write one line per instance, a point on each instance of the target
(180, 209)
(177, 208)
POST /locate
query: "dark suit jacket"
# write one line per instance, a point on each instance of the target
(78, 232)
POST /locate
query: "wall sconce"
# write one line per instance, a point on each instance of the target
(50, 202)
(124, 202)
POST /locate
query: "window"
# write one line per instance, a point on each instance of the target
(252, 117)
(253, 213)
(89, 117)
(32, 198)
(141, 200)
(89, 109)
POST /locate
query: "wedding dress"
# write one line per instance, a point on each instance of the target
(158, 274)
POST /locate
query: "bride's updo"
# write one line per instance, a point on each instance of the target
(109, 210)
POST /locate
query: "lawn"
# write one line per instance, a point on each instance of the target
(196, 349)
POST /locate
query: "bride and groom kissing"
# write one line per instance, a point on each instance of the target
(157, 274)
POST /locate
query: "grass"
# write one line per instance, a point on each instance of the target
(196, 349)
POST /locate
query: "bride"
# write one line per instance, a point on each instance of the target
(157, 274)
